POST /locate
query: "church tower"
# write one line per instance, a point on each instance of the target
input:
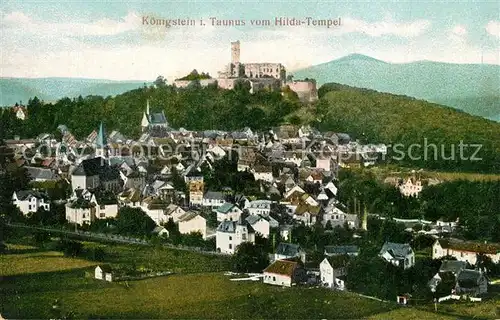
(101, 149)
(145, 118)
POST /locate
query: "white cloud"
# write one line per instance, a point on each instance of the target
(493, 28)
(34, 48)
(458, 34)
(385, 27)
(459, 30)
(18, 21)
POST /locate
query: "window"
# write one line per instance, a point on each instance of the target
(274, 278)
(29, 207)
(230, 238)
(230, 246)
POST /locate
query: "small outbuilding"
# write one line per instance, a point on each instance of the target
(104, 272)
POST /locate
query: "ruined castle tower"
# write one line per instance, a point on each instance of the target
(235, 52)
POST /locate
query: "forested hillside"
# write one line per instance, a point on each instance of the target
(368, 115)
(413, 124)
(194, 108)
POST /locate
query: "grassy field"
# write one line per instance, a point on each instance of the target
(32, 280)
(193, 295)
(161, 259)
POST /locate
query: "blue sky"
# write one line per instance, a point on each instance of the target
(106, 39)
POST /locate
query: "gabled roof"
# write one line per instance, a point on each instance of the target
(339, 261)
(230, 226)
(89, 167)
(105, 268)
(189, 216)
(288, 249)
(26, 194)
(253, 219)
(282, 267)
(41, 173)
(454, 266)
(338, 250)
(157, 118)
(469, 278)
(396, 250)
(469, 246)
(226, 207)
(216, 195)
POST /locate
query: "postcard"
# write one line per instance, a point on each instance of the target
(249, 159)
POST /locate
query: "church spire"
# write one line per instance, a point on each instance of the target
(101, 143)
(101, 137)
(147, 107)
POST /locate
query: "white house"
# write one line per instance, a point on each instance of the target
(103, 272)
(262, 207)
(324, 163)
(337, 217)
(174, 212)
(193, 222)
(284, 273)
(84, 207)
(213, 199)
(332, 271)
(228, 211)
(154, 208)
(411, 188)
(400, 255)
(262, 224)
(230, 234)
(30, 201)
(465, 250)
(263, 173)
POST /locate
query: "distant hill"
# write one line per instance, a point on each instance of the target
(473, 88)
(13, 90)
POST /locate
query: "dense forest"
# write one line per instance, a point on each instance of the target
(194, 108)
(373, 117)
(409, 125)
(473, 203)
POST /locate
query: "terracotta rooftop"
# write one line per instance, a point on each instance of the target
(479, 247)
(282, 267)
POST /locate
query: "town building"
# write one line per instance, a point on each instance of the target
(151, 120)
(284, 273)
(193, 222)
(230, 234)
(399, 254)
(465, 250)
(29, 201)
(333, 271)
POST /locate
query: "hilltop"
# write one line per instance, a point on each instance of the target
(14, 90)
(473, 88)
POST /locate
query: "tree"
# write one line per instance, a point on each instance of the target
(70, 248)
(134, 221)
(446, 284)
(249, 258)
(160, 82)
(41, 237)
